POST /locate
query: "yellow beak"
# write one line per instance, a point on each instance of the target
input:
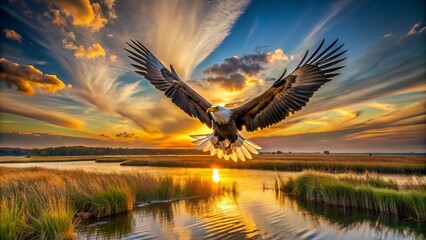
(209, 110)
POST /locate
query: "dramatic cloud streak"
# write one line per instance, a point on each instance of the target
(44, 115)
(183, 32)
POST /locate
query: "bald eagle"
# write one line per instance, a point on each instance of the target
(288, 94)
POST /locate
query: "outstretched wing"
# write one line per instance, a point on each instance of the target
(290, 93)
(169, 82)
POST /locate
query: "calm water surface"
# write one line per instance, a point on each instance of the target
(254, 214)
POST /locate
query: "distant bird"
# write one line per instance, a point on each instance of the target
(288, 94)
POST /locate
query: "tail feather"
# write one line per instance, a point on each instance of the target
(241, 149)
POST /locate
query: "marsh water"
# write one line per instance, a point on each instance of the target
(254, 213)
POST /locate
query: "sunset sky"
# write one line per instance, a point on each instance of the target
(66, 80)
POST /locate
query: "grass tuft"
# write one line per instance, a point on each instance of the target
(13, 219)
(372, 194)
(54, 220)
(112, 201)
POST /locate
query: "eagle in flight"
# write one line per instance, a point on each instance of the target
(288, 94)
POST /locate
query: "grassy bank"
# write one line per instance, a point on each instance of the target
(365, 193)
(47, 203)
(294, 162)
(351, 218)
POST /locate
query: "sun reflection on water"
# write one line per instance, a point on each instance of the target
(216, 177)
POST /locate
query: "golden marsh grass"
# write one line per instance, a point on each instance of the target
(48, 203)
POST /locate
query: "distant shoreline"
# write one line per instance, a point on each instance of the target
(333, 163)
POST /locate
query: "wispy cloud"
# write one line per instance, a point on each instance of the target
(43, 140)
(322, 26)
(193, 29)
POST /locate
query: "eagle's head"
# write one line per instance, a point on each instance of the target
(220, 114)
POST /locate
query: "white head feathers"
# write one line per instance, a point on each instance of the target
(223, 115)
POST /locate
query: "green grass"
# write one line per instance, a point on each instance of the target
(13, 219)
(111, 201)
(368, 194)
(53, 220)
(48, 203)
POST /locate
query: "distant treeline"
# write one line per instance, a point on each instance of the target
(81, 151)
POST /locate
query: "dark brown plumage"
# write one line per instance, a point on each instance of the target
(290, 93)
(169, 82)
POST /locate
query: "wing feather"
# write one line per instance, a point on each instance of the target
(168, 82)
(290, 93)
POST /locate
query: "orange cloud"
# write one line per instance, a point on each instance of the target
(27, 79)
(12, 35)
(96, 50)
(93, 51)
(83, 13)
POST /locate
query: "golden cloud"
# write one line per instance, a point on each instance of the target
(98, 21)
(96, 50)
(277, 55)
(83, 13)
(80, 10)
(12, 35)
(27, 79)
(93, 51)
